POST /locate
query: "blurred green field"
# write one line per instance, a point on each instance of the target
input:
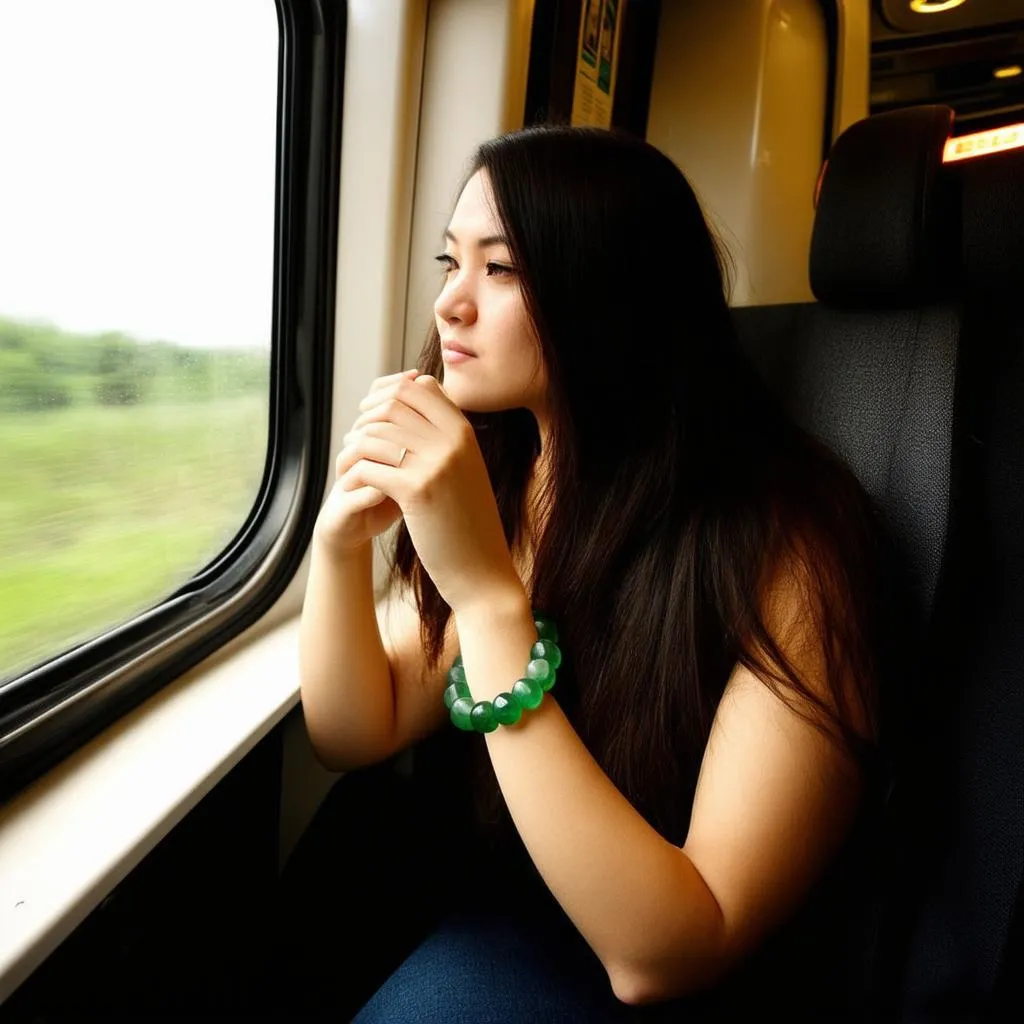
(104, 510)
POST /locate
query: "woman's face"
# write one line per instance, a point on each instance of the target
(481, 311)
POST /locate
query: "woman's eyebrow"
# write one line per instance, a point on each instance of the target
(483, 243)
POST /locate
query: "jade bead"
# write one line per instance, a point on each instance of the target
(482, 717)
(547, 650)
(454, 692)
(541, 670)
(460, 713)
(528, 692)
(458, 660)
(546, 628)
(457, 674)
(507, 709)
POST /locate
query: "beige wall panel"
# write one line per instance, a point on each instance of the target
(853, 71)
(787, 150)
(383, 76)
(380, 124)
(738, 101)
(474, 87)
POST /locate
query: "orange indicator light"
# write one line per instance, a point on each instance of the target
(982, 143)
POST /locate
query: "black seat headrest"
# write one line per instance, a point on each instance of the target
(992, 191)
(886, 231)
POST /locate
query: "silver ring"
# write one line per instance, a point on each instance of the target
(401, 457)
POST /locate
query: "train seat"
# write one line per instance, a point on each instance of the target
(871, 369)
(964, 806)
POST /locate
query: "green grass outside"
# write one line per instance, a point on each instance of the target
(105, 510)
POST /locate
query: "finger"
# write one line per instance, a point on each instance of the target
(429, 380)
(374, 474)
(385, 430)
(426, 396)
(383, 384)
(378, 397)
(394, 410)
(395, 389)
(433, 406)
(363, 498)
(393, 378)
(365, 447)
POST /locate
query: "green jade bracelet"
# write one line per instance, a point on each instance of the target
(526, 695)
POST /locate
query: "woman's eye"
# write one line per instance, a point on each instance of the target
(499, 269)
(447, 262)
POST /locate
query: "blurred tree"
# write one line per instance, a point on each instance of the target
(26, 387)
(121, 371)
(57, 367)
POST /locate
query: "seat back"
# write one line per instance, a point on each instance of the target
(966, 804)
(870, 369)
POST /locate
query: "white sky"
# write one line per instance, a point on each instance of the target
(137, 150)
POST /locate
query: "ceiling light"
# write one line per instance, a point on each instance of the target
(934, 6)
(1011, 71)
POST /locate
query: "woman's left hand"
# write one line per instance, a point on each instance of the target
(442, 487)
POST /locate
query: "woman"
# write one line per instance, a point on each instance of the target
(586, 438)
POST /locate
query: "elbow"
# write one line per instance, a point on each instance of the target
(333, 758)
(683, 966)
(327, 756)
(634, 987)
(340, 762)
(331, 762)
(337, 753)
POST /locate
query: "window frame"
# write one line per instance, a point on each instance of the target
(55, 707)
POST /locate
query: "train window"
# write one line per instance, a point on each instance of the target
(137, 220)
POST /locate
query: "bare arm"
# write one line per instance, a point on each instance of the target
(366, 691)
(773, 801)
(345, 680)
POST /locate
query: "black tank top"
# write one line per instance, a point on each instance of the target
(817, 966)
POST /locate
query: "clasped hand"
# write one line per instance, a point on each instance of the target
(440, 484)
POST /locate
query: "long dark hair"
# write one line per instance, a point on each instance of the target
(677, 488)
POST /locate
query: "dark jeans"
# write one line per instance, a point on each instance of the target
(369, 915)
(501, 969)
(384, 920)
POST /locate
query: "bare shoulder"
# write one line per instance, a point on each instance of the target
(806, 610)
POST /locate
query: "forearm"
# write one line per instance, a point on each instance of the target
(638, 900)
(345, 679)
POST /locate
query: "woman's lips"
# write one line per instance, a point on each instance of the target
(453, 353)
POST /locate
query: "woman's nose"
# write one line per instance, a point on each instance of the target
(455, 304)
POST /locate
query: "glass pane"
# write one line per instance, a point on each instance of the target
(136, 285)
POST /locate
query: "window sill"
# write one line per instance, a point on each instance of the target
(74, 834)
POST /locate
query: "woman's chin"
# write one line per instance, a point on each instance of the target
(457, 391)
(474, 399)
(469, 402)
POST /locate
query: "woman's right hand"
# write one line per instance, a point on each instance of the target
(349, 520)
